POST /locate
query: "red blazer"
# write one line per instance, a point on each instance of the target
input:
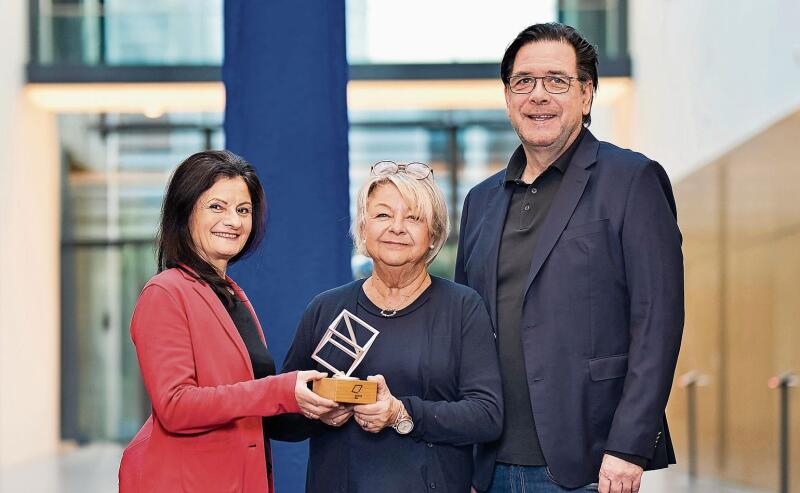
(205, 433)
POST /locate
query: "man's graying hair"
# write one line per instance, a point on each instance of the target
(585, 52)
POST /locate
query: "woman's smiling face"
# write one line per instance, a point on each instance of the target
(221, 221)
(395, 235)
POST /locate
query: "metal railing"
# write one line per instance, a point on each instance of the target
(782, 383)
(693, 379)
(690, 381)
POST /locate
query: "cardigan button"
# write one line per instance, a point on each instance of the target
(430, 445)
(433, 486)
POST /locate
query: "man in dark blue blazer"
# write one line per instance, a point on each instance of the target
(576, 251)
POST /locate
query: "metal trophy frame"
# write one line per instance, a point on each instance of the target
(343, 387)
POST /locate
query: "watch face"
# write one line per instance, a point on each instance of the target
(405, 426)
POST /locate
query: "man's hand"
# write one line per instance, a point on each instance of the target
(618, 476)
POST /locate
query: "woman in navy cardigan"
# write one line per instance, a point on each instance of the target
(435, 360)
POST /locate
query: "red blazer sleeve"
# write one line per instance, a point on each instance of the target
(162, 336)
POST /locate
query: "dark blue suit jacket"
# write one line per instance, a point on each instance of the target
(603, 311)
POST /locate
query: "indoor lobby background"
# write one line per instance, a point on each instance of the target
(101, 99)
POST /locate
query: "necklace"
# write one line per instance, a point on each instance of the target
(384, 313)
(391, 312)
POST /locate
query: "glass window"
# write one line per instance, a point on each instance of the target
(190, 32)
(164, 32)
(119, 32)
(445, 31)
(115, 170)
(604, 22)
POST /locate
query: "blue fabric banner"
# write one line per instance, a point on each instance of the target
(285, 74)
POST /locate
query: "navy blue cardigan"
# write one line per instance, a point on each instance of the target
(460, 402)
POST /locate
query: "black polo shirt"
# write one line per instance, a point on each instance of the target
(527, 211)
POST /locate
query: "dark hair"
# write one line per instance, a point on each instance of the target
(191, 178)
(585, 52)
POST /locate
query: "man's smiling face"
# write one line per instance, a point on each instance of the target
(542, 120)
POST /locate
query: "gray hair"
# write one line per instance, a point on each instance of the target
(423, 196)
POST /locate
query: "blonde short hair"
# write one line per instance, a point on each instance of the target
(423, 197)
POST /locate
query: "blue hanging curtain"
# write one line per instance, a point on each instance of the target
(285, 75)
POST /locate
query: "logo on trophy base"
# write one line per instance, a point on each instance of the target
(344, 334)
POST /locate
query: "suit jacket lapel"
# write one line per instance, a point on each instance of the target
(564, 203)
(225, 320)
(488, 244)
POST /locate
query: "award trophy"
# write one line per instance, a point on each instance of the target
(342, 387)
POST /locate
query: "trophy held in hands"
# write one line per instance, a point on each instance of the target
(347, 337)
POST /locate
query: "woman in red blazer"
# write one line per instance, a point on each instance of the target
(201, 349)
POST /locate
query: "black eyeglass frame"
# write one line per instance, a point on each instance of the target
(536, 79)
(398, 167)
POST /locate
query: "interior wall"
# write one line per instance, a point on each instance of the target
(29, 252)
(710, 75)
(740, 217)
(698, 200)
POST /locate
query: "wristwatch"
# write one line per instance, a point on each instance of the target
(403, 424)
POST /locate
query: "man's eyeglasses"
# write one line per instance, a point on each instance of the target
(554, 84)
(420, 171)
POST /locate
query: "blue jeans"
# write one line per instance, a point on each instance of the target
(508, 478)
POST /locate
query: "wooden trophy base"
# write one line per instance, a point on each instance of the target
(347, 390)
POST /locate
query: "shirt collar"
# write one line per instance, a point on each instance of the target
(517, 163)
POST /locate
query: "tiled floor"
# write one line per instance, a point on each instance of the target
(93, 469)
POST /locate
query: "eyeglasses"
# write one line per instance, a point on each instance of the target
(420, 171)
(554, 84)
